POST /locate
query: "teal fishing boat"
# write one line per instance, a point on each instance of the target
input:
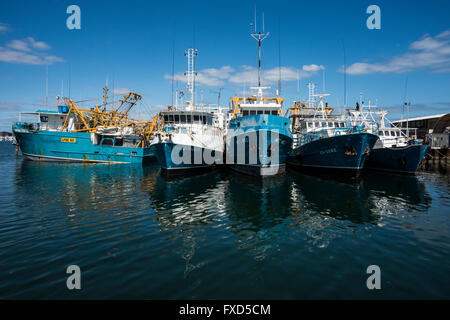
(396, 150)
(85, 135)
(325, 141)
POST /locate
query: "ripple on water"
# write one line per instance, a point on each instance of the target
(137, 234)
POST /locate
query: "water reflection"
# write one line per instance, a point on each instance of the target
(111, 203)
(186, 206)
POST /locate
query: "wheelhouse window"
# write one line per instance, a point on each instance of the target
(177, 118)
(392, 134)
(170, 117)
(196, 119)
(183, 118)
(44, 119)
(316, 124)
(386, 133)
(324, 124)
(260, 112)
(245, 113)
(380, 133)
(310, 124)
(267, 112)
(342, 124)
(274, 112)
(330, 124)
(252, 112)
(166, 118)
(188, 118)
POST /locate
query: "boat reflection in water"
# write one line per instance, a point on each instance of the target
(137, 231)
(256, 211)
(259, 211)
(186, 207)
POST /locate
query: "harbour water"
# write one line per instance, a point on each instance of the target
(138, 234)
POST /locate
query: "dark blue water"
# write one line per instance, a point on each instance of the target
(137, 234)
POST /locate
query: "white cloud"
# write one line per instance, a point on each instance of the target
(27, 51)
(4, 27)
(247, 75)
(210, 77)
(313, 68)
(39, 45)
(429, 52)
(120, 91)
(18, 45)
(28, 45)
(16, 56)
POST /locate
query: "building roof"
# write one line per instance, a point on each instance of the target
(421, 118)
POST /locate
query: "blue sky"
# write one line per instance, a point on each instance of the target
(130, 42)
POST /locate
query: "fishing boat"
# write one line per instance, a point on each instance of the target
(258, 138)
(92, 135)
(189, 137)
(325, 141)
(396, 150)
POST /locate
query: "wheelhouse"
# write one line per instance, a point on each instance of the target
(187, 117)
(318, 124)
(251, 111)
(256, 105)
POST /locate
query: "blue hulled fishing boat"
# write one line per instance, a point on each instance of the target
(396, 150)
(189, 137)
(325, 141)
(73, 134)
(258, 138)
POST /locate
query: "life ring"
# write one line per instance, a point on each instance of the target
(337, 133)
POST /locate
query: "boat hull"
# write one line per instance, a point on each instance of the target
(258, 145)
(338, 153)
(400, 159)
(165, 152)
(74, 147)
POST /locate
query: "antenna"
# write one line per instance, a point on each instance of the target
(279, 58)
(70, 77)
(311, 94)
(113, 91)
(323, 80)
(345, 76)
(105, 93)
(404, 97)
(46, 87)
(218, 97)
(255, 18)
(263, 20)
(258, 36)
(176, 96)
(173, 66)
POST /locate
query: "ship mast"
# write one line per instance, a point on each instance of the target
(190, 73)
(258, 36)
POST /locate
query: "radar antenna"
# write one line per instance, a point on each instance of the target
(258, 36)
